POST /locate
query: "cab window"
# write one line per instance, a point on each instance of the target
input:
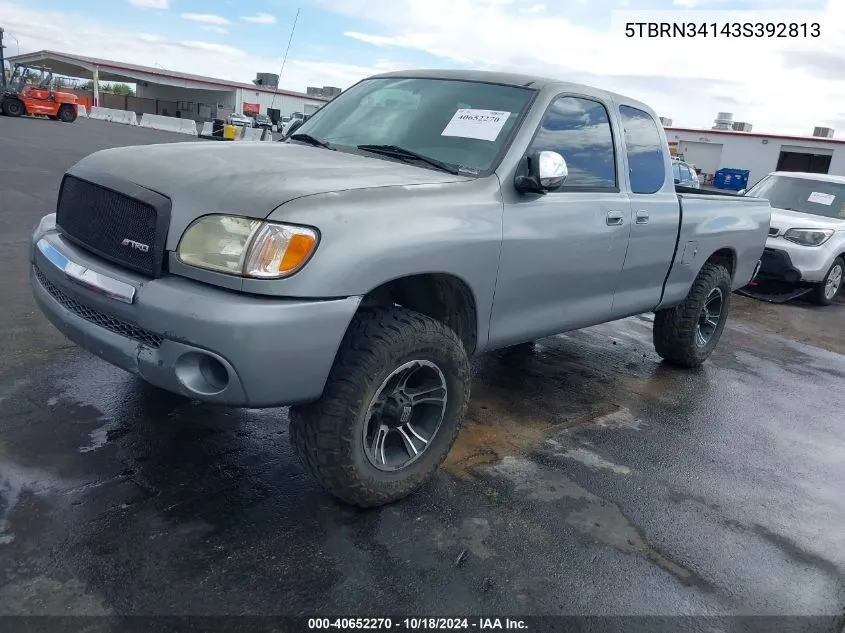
(644, 149)
(579, 130)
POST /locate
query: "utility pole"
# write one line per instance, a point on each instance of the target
(2, 61)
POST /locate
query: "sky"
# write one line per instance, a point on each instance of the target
(780, 85)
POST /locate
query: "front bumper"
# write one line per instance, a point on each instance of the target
(188, 337)
(777, 265)
(810, 262)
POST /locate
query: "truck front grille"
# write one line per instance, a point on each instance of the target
(92, 315)
(111, 224)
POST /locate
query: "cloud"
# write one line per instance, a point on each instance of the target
(259, 18)
(39, 29)
(211, 47)
(204, 18)
(819, 63)
(215, 29)
(151, 4)
(533, 9)
(688, 79)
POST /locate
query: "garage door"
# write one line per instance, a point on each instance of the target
(815, 160)
(705, 156)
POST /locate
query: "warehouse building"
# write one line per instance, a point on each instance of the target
(732, 145)
(172, 93)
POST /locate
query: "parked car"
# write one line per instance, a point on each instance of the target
(263, 121)
(296, 117)
(241, 119)
(375, 251)
(685, 174)
(806, 243)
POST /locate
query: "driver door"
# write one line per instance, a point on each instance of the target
(563, 252)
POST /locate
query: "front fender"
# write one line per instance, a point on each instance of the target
(369, 237)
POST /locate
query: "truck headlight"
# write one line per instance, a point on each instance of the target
(246, 247)
(808, 237)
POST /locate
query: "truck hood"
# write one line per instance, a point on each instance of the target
(249, 178)
(783, 220)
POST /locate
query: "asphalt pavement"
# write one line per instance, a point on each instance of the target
(589, 479)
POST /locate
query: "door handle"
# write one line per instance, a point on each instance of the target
(642, 217)
(614, 218)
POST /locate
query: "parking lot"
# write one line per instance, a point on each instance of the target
(589, 478)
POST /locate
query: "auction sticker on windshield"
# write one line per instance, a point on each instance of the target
(821, 198)
(484, 125)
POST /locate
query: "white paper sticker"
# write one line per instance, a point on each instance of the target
(821, 198)
(481, 124)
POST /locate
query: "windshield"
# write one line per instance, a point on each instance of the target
(461, 123)
(802, 194)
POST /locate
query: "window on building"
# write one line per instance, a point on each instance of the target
(579, 130)
(644, 150)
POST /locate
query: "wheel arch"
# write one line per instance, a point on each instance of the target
(444, 297)
(724, 256)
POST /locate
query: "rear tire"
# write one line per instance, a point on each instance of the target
(824, 293)
(13, 107)
(687, 334)
(354, 439)
(67, 114)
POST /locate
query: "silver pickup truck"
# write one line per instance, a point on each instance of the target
(352, 270)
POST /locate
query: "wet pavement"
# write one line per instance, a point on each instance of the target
(589, 478)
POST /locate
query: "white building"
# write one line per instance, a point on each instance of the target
(711, 150)
(157, 89)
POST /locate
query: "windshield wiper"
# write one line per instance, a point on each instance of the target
(307, 138)
(401, 152)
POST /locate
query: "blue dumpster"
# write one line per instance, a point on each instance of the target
(733, 179)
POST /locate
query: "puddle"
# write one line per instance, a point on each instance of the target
(593, 517)
(14, 480)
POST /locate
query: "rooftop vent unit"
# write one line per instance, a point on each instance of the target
(740, 126)
(724, 121)
(823, 132)
(266, 80)
(665, 121)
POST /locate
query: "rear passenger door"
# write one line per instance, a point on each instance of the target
(655, 213)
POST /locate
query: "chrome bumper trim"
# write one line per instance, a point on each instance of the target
(94, 281)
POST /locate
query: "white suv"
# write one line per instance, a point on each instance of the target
(684, 174)
(806, 244)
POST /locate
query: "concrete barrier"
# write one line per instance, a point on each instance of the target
(113, 116)
(169, 124)
(252, 134)
(80, 110)
(207, 128)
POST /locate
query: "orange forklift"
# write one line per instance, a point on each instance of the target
(30, 90)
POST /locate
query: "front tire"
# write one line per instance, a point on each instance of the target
(13, 107)
(67, 114)
(390, 411)
(824, 293)
(687, 334)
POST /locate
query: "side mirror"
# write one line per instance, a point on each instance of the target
(546, 171)
(294, 127)
(677, 181)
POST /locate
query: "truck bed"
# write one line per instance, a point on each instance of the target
(713, 221)
(704, 192)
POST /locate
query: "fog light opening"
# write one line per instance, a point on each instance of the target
(201, 373)
(214, 372)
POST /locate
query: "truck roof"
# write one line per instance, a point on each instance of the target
(810, 176)
(534, 82)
